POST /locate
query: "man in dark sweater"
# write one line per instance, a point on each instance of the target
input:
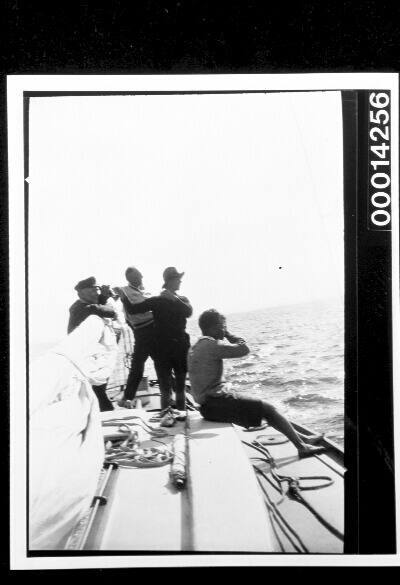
(170, 312)
(91, 301)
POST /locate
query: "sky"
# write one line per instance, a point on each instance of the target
(243, 192)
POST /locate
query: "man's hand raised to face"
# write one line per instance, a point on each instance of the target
(233, 339)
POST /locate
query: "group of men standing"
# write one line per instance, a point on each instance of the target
(159, 329)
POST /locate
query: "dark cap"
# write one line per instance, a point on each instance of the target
(87, 283)
(170, 273)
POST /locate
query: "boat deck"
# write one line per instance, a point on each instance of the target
(227, 504)
(144, 510)
(228, 514)
(220, 510)
(320, 526)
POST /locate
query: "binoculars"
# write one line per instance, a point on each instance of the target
(106, 289)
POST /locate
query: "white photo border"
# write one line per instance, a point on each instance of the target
(16, 86)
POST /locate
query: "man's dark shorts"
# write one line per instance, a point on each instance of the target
(233, 407)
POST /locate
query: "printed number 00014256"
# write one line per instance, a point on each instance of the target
(379, 155)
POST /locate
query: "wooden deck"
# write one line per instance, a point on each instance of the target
(328, 502)
(228, 513)
(223, 507)
(219, 511)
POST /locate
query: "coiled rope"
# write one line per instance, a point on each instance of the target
(128, 453)
(153, 431)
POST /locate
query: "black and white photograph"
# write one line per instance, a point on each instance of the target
(204, 285)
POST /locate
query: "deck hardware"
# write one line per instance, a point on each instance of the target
(178, 468)
(101, 499)
(108, 464)
(98, 500)
(326, 482)
(271, 439)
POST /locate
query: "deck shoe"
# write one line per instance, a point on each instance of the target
(125, 403)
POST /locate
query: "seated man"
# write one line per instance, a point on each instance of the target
(91, 301)
(219, 403)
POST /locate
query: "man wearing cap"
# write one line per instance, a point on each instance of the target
(142, 325)
(91, 301)
(170, 312)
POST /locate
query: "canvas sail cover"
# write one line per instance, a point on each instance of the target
(66, 448)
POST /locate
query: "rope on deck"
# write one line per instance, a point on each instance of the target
(294, 489)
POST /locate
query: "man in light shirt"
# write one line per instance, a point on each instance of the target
(217, 401)
(142, 325)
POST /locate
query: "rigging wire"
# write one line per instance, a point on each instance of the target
(294, 488)
(275, 530)
(281, 519)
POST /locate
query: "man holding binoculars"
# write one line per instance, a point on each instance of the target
(91, 301)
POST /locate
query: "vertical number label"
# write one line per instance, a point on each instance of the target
(379, 200)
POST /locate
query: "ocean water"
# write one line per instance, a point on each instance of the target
(296, 362)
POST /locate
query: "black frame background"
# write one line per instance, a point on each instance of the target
(370, 514)
(199, 36)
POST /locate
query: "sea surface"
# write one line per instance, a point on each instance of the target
(296, 361)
